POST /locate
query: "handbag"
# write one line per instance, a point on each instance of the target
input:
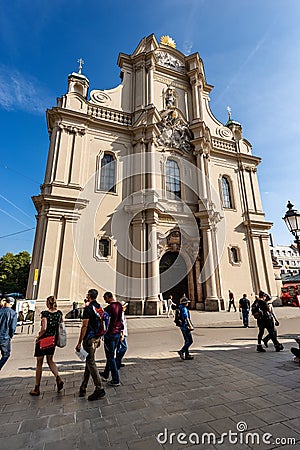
(61, 335)
(47, 342)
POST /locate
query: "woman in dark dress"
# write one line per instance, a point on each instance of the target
(49, 327)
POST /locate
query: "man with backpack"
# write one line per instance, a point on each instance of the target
(183, 320)
(90, 336)
(260, 312)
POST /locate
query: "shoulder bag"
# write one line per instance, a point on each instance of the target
(61, 335)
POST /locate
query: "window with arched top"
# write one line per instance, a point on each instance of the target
(108, 173)
(226, 193)
(173, 179)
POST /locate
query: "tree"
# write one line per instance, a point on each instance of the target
(14, 271)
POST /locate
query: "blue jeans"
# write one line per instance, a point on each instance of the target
(245, 313)
(188, 340)
(111, 342)
(121, 350)
(5, 351)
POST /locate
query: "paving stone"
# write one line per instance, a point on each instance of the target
(125, 433)
(61, 419)
(144, 444)
(8, 429)
(198, 416)
(219, 411)
(15, 442)
(288, 410)
(134, 405)
(33, 424)
(97, 440)
(259, 402)
(270, 415)
(62, 444)
(223, 425)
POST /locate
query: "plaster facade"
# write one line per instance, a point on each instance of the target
(146, 192)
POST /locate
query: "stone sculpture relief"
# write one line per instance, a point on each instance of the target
(167, 60)
(174, 132)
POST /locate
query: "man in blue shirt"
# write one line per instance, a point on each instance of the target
(8, 323)
(186, 329)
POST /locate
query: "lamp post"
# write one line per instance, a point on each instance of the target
(292, 221)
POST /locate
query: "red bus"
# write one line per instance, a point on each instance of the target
(290, 294)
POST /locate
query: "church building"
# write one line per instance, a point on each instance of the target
(147, 194)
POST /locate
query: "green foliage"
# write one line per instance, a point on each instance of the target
(14, 271)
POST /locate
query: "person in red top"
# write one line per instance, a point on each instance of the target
(112, 338)
(231, 301)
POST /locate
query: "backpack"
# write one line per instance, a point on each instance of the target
(256, 311)
(102, 322)
(178, 319)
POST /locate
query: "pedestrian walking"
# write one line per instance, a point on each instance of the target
(8, 324)
(244, 307)
(186, 328)
(164, 303)
(275, 321)
(90, 341)
(264, 322)
(122, 346)
(171, 304)
(111, 339)
(231, 301)
(46, 342)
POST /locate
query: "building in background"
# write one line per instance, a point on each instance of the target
(146, 192)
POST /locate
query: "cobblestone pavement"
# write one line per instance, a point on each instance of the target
(228, 386)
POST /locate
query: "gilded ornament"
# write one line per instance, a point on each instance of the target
(167, 40)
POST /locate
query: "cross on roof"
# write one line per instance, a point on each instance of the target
(81, 62)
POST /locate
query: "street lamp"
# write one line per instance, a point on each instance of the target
(292, 221)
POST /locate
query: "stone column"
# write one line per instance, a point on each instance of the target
(211, 302)
(195, 97)
(201, 174)
(153, 285)
(150, 84)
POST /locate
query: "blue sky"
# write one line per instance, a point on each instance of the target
(251, 54)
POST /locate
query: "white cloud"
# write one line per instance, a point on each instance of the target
(21, 92)
(187, 47)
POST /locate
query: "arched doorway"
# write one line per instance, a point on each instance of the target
(173, 281)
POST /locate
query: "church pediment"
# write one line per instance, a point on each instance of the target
(174, 131)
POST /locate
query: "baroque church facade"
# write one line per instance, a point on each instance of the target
(146, 194)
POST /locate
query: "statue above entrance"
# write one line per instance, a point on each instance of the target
(174, 131)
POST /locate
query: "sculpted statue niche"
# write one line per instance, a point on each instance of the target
(170, 97)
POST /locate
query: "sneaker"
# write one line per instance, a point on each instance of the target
(260, 348)
(279, 347)
(181, 354)
(82, 392)
(103, 378)
(122, 365)
(189, 357)
(265, 342)
(112, 383)
(96, 395)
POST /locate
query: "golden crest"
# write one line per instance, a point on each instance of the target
(167, 40)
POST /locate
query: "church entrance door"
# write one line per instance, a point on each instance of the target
(174, 281)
